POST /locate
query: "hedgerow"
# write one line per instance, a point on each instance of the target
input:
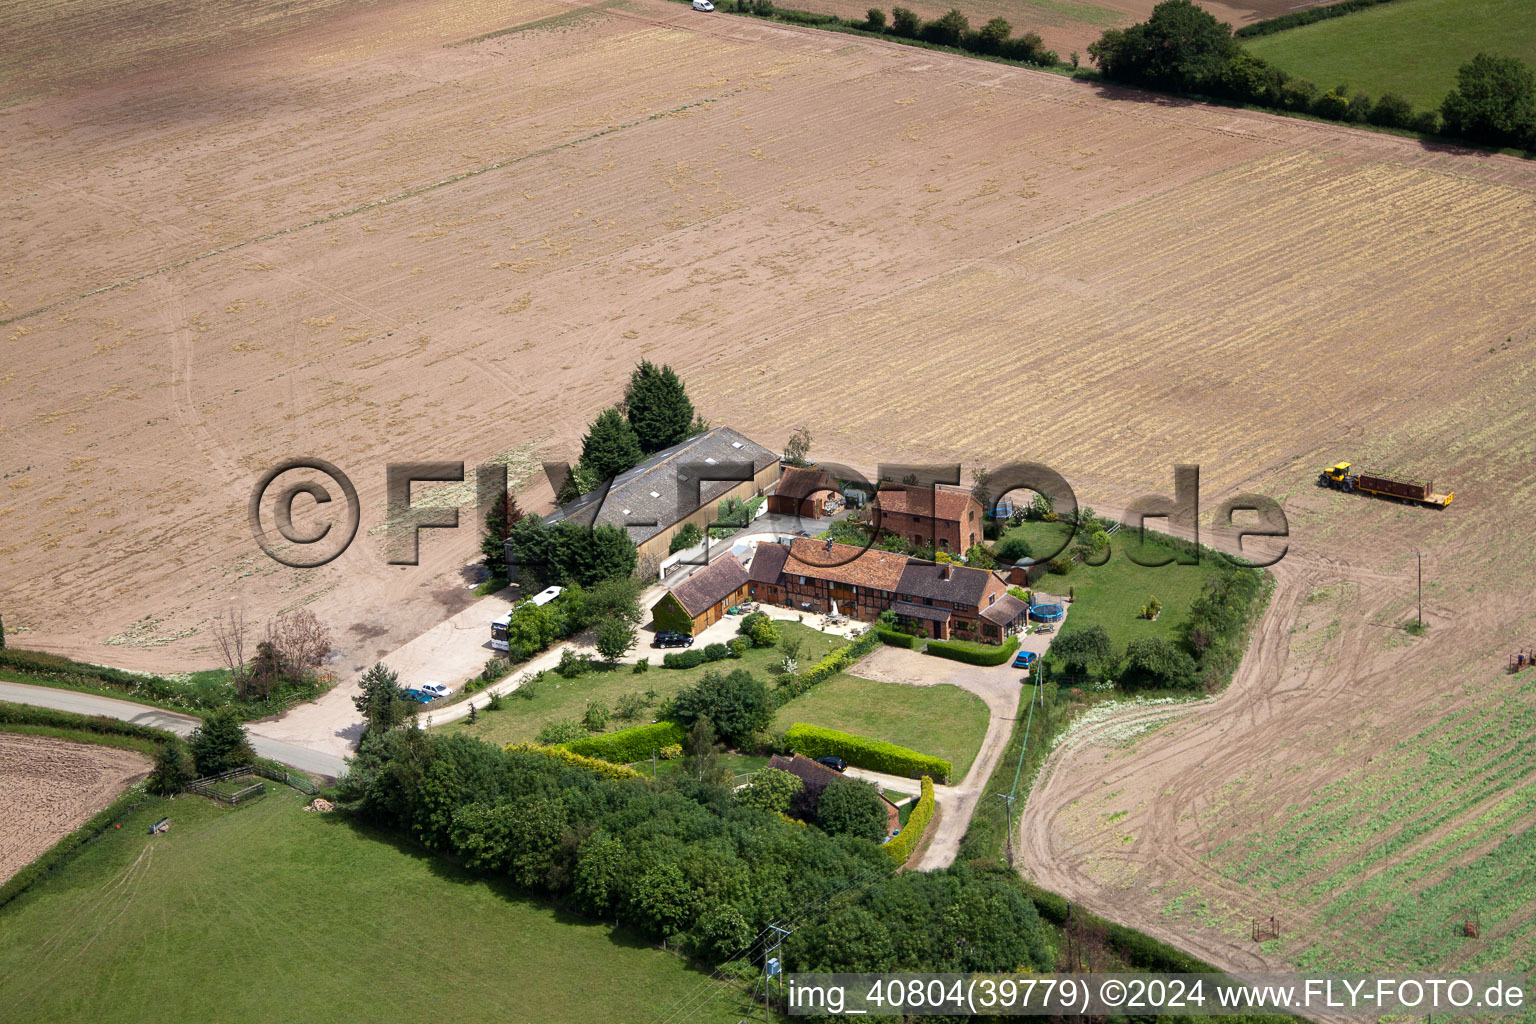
(628, 745)
(894, 639)
(973, 654)
(864, 752)
(606, 769)
(911, 834)
(792, 686)
(64, 848)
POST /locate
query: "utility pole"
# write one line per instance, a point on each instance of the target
(771, 960)
(1007, 798)
(1420, 555)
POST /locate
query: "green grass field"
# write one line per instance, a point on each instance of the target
(944, 721)
(1112, 595)
(555, 699)
(268, 913)
(1410, 47)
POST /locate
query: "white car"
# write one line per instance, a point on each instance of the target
(703, 5)
(435, 689)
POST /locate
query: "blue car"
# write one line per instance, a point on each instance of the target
(419, 696)
(1025, 659)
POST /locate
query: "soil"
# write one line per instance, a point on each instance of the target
(50, 787)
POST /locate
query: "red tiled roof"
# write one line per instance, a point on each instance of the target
(920, 501)
(845, 563)
(711, 584)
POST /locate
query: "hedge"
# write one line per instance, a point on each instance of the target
(876, 755)
(973, 654)
(1296, 19)
(683, 659)
(590, 764)
(26, 714)
(792, 686)
(628, 745)
(897, 639)
(64, 848)
(911, 834)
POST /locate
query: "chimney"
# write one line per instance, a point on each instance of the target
(949, 568)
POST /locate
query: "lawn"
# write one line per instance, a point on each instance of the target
(267, 913)
(1410, 47)
(1112, 595)
(944, 721)
(555, 699)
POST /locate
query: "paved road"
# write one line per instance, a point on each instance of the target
(314, 761)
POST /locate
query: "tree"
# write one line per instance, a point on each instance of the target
(658, 407)
(1084, 651)
(503, 515)
(230, 634)
(614, 639)
(685, 538)
(977, 556)
(174, 768)
(596, 716)
(736, 705)
(992, 37)
(948, 29)
(981, 487)
(759, 628)
(1391, 111)
(383, 703)
(874, 20)
(1011, 549)
(220, 743)
(1180, 47)
(610, 446)
(772, 789)
(2, 634)
(789, 647)
(849, 807)
(798, 448)
(701, 754)
(1152, 661)
(904, 23)
(1494, 102)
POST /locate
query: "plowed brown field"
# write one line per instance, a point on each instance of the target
(348, 238)
(50, 787)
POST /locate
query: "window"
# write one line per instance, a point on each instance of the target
(802, 581)
(972, 515)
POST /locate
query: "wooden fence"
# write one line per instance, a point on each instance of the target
(208, 785)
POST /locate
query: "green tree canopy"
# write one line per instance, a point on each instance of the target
(1153, 662)
(174, 768)
(1494, 102)
(614, 638)
(497, 528)
(658, 407)
(737, 705)
(849, 807)
(1084, 651)
(1181, 46)
(382, 703)
(220, 743)
(610, 446)
(771, 789)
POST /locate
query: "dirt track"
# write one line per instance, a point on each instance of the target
(50, 787)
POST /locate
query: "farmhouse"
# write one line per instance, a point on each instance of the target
(677, 486)
(943, 600)
(702, 598)
(808, 493)
(943, 518)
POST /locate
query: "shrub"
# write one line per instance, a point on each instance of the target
(947, 30)
(174, 768)
(770, 790)
(1151, 609)
(493, 701)
(1060, 565)
(595, 717)
(573, 664)
(671, 752)
(1152, 661)
(1427, 121)
(864, 752)
(874, 20)
(629, 745)
(993, 35)
(738, 646)
(904, 23)
(1011, 549)
(759, 628)
(614, 639)
(1359, 109)
(683, 659)
(1392, 111)
(895, 639)
(900, 848)
(1331, 105)
(687, 537)
(973, 654)
(629, 707)
(848, 807)
(715, 652)
(643, 665)
(563, 731)
(1298, 94)
(604, 768)
(1084, 651)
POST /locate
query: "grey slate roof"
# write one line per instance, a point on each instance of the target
(1004, 610)
(926, 580)
(768, 562)
(665, 489)
(920, 611)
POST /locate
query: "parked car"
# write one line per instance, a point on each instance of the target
(419, 696)
(435, 689)
(1025, 659)
(837, 764)
(703, 5)
(667, 638)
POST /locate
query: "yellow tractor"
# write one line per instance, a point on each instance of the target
(1410, 492)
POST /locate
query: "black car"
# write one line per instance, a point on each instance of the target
(667, 638)
(837, 764)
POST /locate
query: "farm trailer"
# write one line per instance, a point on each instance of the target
(1340, 478)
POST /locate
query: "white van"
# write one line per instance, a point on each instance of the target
(703, 5)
